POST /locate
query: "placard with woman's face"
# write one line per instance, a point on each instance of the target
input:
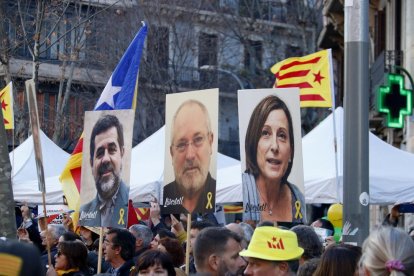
(271, 154)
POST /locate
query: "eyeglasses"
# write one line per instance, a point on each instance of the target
(197, 142)
(106, 241)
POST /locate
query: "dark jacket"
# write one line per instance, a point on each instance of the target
(121, 203)
(124, 270)
(206, 203)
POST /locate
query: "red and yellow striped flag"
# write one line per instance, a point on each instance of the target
(312, 74)
(7, 106)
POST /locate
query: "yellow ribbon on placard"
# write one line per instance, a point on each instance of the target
(209, 198)
(121, 216)
(298, 213)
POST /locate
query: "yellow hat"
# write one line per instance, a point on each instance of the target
(273, 244)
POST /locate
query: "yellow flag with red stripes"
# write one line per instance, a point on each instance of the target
(7, 106)
(312, 74)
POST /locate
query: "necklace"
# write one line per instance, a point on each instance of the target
(264, 202)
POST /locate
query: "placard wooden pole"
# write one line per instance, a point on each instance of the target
(100, 250)
(187, 248)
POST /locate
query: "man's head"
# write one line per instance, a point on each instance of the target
(52, 234)
(161, 233)
(236, 228)
(106, 152)
(119, 246)
(191, 146)
(272, 251)
(309, 241)
(195, 228)
(216, 251)
(142, 234)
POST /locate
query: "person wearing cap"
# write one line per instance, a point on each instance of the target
(272, 251)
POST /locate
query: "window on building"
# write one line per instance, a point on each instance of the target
(293, 51)
(253, 56)
(207, 55)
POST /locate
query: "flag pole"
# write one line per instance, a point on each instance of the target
(35, 126)
(335, 141)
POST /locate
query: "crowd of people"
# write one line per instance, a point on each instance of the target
(158, 247)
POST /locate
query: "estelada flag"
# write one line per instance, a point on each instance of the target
(312, 74)
(119, 93)
(7, 106)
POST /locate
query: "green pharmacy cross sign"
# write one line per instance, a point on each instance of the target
(395, 101)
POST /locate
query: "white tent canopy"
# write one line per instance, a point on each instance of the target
(390, 169)
(24, 173)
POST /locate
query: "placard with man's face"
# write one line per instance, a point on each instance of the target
(191, 150)
(106, 165)
(271, 155)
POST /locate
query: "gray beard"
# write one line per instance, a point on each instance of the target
(107, 189)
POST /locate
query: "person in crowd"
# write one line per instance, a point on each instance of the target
(339, 257)
(191, 148)
(109, 207)
(248, 232)
(162, 233)
(29, 230)
(156, 221)
(309, 241)
(19, 258)
(174, 248)
(119, 248)
(388, 251)
(155, 262)
(195, 228)
(143, 238)
(265, 223)
(216, 252)
(325, 224)
(238, 229)
(272, 252)
(309, 267)
(51, 237)
(88, 236)
(269, 147)
(70, 260)
(69, 236)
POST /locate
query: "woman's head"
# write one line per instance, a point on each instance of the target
(336, 258)
(174, 248)
(71, 254)
(155, 261)
(388, 251)
(270, 125)
(88, 235)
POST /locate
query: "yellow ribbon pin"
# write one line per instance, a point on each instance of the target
(298, 213)
(121, 216)
(209, 198)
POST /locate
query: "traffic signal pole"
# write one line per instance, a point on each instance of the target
(356, 125)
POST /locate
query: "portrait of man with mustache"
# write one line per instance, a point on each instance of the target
(193, 190)
(110, 206)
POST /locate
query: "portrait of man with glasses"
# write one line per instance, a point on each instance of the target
(191, 148)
